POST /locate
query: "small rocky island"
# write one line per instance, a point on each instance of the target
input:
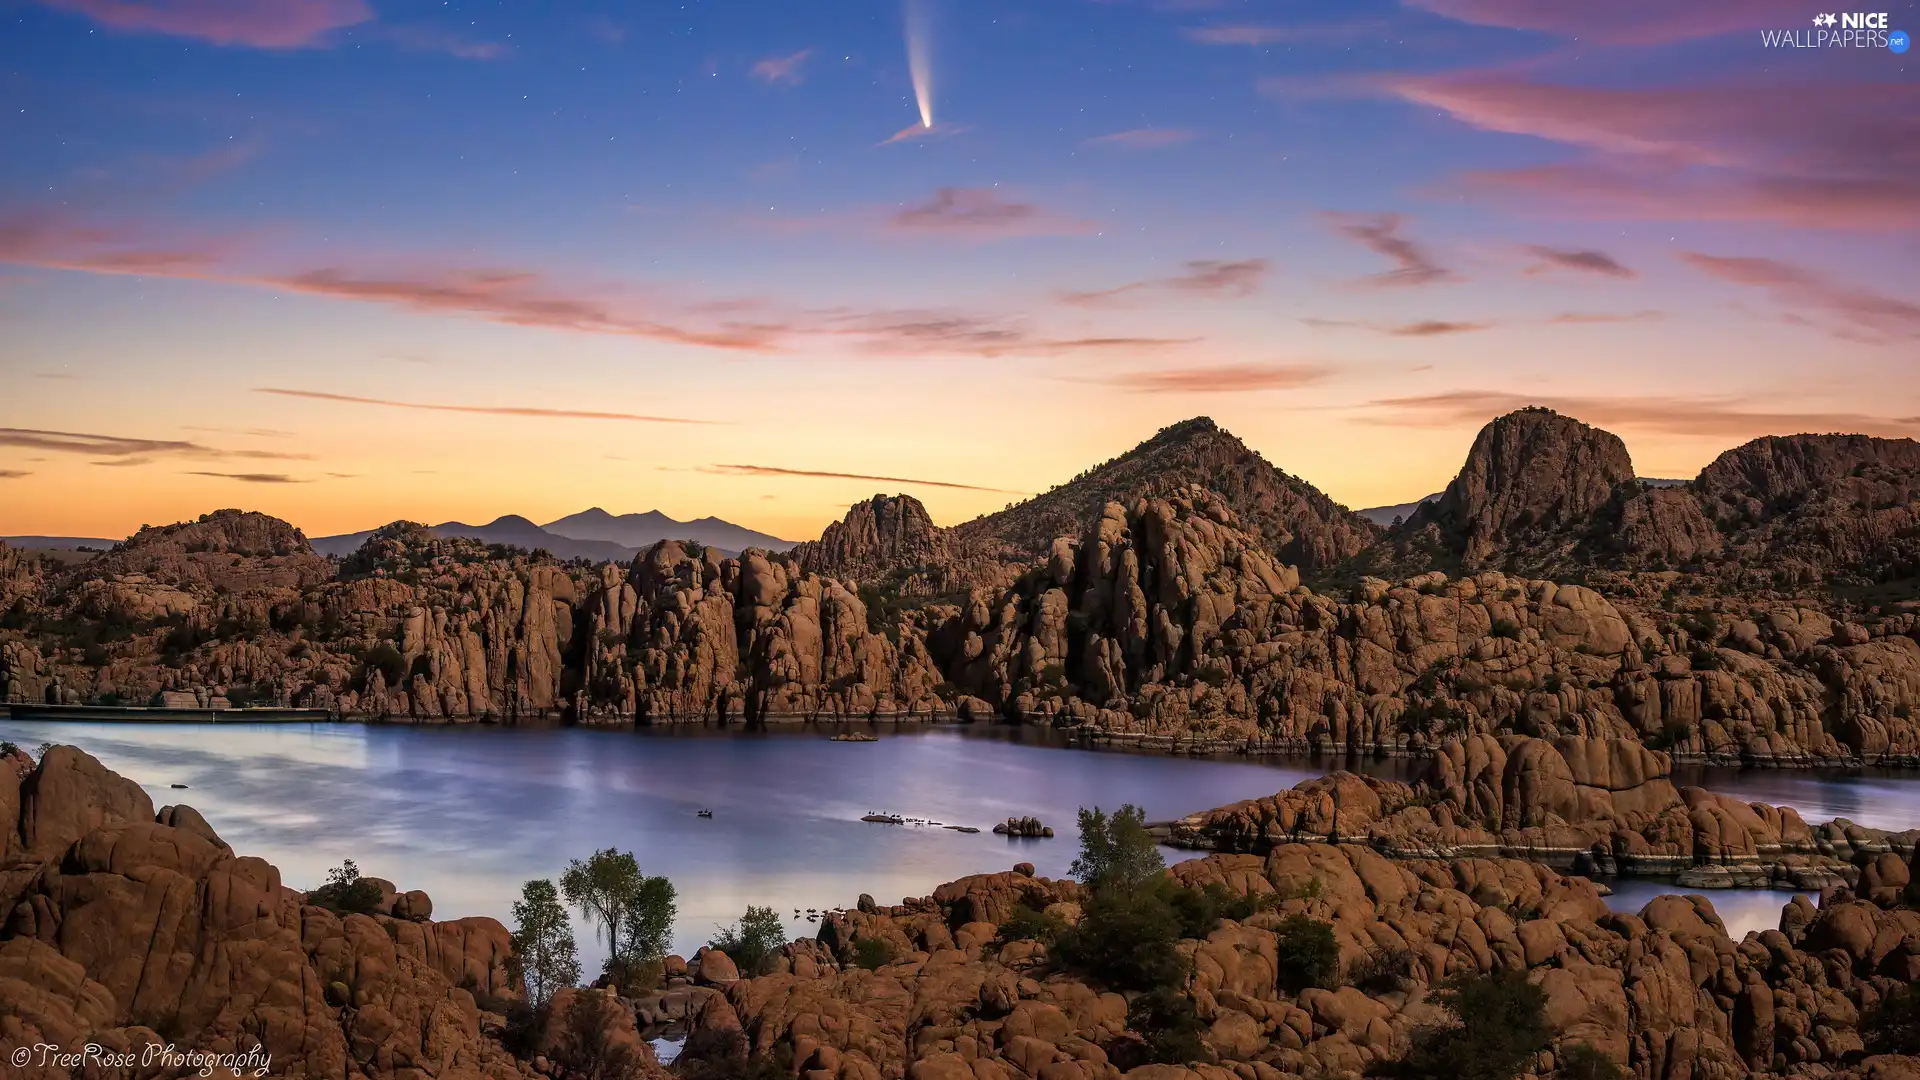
(1024, 826)
(854, 736)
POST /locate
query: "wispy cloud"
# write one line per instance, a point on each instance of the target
(1842, 309)
(1421, 328)
(257, 433)
(983, 212)
(528, 299)
(1143, 138)
(13, 474)
(770, 470)
(252, 477)
(58, 376)
(1257, 34)
(1625, 22)
(1582, 261)
(788, 70)
(1219, 277)
(121, 446)
(123, 463)
(1582, 318)
(1380, 234)
(1718, 416)
(1222, 378)
(484, 410)
(262, 24)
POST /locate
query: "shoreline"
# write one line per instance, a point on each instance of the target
(1078, 737)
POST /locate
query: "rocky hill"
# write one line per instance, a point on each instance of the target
(1545, 494)
(891, 543)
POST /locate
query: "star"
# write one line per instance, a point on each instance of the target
(1819, 20)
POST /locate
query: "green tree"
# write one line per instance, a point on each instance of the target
(1169, 1026)
(543, 942)
(1308, 953)
(1126, 941)
(750, 942)
(1117, 853)
(1499, 1024)
(633, 912)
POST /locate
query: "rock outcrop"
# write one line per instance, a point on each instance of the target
(1595, 806)
(125, 928)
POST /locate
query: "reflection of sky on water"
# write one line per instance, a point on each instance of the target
(1742, 910)
(469, 813)
(1880, 798)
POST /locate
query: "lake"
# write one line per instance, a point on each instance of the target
(469, 813)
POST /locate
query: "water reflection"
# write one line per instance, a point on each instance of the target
(1879, 798)
(1742, 910)
(469, 813)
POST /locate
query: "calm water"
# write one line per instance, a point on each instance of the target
(469, 813)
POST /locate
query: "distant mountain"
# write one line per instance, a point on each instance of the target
(591, 534)
(58, 543)
(512, 530)
(644, 530)
(1384, 515)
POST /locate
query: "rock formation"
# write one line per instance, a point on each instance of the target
(125, 927)
(1665, 993)
(1591, 805)
(1756, 613)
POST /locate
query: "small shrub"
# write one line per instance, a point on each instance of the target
(587, 1045)
(387, 660)
(1893, 1026)
(749, 944)
(1308, 954)
(1578, 1061)
(872, 953)
(1506, 628)
(1499, 1024)
(1380, 971)
(1169, 1026)
(1026, 924)
(346, 892)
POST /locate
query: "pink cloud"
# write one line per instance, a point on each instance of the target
(265, 24)
(1221, 277)
(1220, 379)
(1855, 313)
(1718, 416)
(1380, 234)
(785, 70)
(1625, 22)
(1827, 155)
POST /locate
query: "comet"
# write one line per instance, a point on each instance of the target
(920, 57)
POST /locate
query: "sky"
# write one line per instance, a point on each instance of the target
(350, 261)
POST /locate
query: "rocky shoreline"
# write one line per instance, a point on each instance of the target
(128, 926)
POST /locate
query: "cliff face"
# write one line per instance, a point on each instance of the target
(127, 927)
